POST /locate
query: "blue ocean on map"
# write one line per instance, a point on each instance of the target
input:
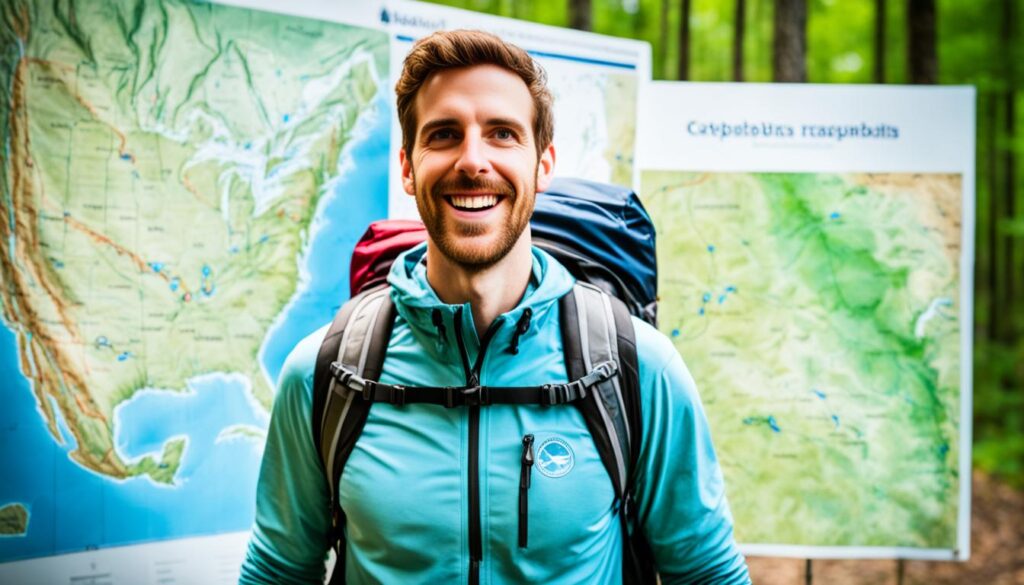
(359, 198)
(73, 509)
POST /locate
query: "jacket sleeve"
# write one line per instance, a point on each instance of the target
(680, 494)
(289, 539)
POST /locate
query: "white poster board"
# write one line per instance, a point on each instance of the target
(815, 247)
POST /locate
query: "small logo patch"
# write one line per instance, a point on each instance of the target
(554, 458)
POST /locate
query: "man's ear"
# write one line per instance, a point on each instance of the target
(407, 179)
(546, 168)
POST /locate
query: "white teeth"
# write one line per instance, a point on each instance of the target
(477, 202)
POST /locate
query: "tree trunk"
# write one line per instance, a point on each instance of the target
(790, 54)
(737, 40)
(579, 14)
(880, 41)
(988, 256)
(663, 41)
(1009, 267)
(684, 40)
(924, 65)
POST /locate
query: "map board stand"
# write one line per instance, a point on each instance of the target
(809, 571)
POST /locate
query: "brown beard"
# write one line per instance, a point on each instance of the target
(473, 258)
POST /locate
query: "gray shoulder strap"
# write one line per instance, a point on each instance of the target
(597, 327)
(591, 336)
(361, 347)
(358, 338)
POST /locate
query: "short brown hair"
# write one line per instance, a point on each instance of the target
(464, 48)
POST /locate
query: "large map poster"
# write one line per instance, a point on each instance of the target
(181, 187)
(177, 210)
(815, 274)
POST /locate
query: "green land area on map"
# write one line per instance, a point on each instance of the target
(620, 110)
(165, 160)
(13, 520)
(819, 315)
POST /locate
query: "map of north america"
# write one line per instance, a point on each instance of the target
(164, 165)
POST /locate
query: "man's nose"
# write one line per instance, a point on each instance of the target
(472, 156)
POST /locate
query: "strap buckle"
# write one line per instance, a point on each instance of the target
(475, 396)
(348, 378)
(354, 382)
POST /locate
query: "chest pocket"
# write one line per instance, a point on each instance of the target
(565, 499)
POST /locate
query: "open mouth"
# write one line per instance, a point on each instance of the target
(472, 203)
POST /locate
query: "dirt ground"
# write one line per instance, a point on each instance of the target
(997, 552)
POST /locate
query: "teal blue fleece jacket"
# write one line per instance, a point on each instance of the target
(406, 487)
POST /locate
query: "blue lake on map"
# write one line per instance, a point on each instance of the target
(73, 509)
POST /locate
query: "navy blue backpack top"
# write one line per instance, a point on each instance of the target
(604, 236)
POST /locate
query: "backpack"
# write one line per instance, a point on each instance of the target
(604, 237)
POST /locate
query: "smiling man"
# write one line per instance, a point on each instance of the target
(429, 494)
(474, 162)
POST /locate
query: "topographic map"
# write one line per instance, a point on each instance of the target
(595, 130)
(179, 183)
(818, 313)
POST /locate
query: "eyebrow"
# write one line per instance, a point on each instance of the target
(519, 128)
(432, 125)
(439, 123)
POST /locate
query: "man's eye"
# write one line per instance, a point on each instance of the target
(504, 134)
(442, 134)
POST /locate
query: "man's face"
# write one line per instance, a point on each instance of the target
(474, 168)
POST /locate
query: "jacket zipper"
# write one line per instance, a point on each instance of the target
(524, 486)
(473, 379)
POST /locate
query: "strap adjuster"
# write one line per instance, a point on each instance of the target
(602, 372)
(625, 507)
(552, 394)
(397, 395)
(368, 388)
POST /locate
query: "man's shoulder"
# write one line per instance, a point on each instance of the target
(301, 361)
(663, 372)
(653, 349)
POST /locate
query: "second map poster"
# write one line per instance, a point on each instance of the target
(814, 247)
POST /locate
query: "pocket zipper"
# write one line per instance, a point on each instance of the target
(524, 486)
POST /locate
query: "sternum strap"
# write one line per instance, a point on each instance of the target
(349, 383)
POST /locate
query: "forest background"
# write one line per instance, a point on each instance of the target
(949, 42)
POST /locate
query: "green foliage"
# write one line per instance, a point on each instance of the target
(999, 410)
(840, 45)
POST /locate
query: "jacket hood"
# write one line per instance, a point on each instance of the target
(416, 301)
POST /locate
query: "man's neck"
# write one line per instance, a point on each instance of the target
(489, 292)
